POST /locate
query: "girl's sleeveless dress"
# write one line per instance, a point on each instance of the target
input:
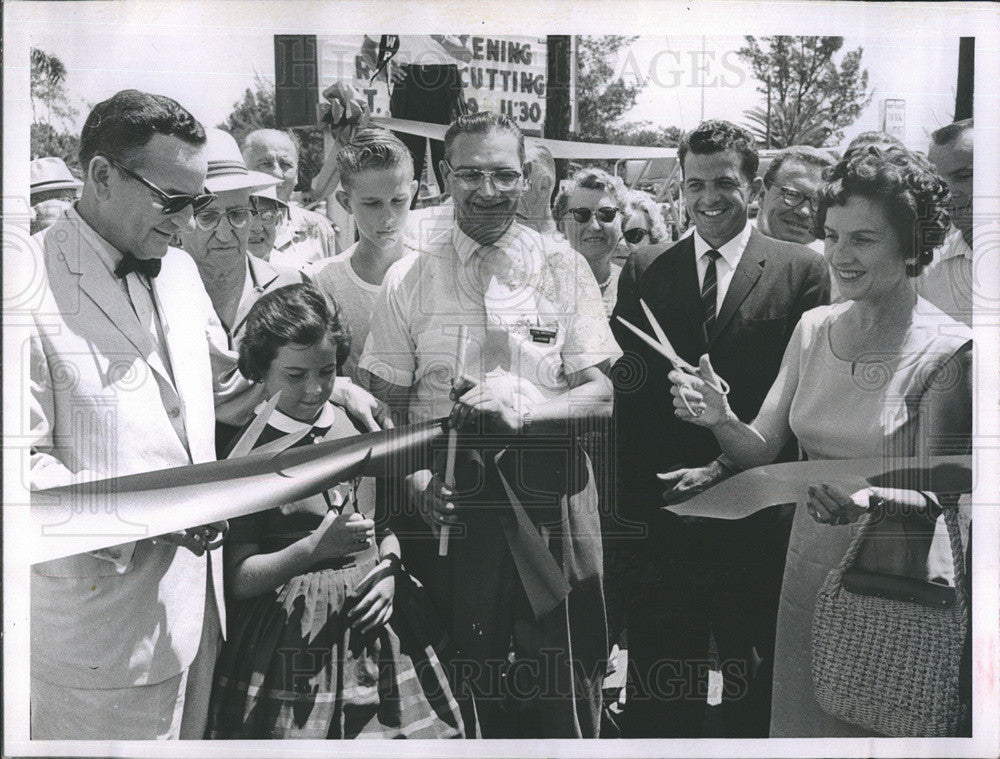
(292, 666)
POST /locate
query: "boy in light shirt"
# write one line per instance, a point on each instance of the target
(377, 186)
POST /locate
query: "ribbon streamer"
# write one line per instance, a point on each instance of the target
(748, 492)
(104, 513)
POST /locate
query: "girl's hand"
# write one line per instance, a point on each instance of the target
(710, 407)
(376, 591)
(828, 504)
(341, 535)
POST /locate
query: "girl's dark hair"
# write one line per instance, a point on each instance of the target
(299, 314)
(914, 197)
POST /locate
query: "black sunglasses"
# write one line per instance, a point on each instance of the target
(604, 214)
(634, 235)
(171, 204)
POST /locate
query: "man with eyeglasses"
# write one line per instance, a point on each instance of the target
(219, 239)
(123, 640)
(792, 178)
(786, 208)
(523, 561)
(728, 291)
(234, 279)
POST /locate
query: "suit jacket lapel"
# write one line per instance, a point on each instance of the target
(748, 271)
(675, 297)
(183, 332)
(107, 292)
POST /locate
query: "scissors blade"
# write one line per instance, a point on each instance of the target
(246, 442)
(648, 340)
(282, 443)
(657, 329)
(675, 358)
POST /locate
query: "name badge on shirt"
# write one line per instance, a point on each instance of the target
(542, 335)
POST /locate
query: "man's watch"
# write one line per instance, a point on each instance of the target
(526, 419)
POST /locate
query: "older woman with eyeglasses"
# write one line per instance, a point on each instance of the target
(643, 222)
(589, 213)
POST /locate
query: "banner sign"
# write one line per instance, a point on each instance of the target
(506, 74)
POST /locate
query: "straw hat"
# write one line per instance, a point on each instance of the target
(226, 168)
(269, 192)
(51, 173)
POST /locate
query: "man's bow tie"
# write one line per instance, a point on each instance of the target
(129, 263)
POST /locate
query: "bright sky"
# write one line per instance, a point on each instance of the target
(206, 60)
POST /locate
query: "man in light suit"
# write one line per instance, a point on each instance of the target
(729, 291)
(123, 640)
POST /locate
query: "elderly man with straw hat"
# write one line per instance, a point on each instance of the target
(53, 190)
(235, 279)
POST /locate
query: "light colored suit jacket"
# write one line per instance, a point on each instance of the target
(102, 405)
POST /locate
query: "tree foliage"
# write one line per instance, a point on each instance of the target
(256, 111)
(52, 111)
(601, 99)
(644, 133)
(813, 97)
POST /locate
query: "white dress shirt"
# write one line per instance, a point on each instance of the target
(725, 266)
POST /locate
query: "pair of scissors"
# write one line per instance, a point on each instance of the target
(662, 346)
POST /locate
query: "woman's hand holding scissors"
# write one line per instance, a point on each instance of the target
(698, 395)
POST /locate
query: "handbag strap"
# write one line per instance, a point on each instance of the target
(950, 514)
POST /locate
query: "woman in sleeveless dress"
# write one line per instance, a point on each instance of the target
(885, 375)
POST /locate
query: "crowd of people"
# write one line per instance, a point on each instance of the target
(183, 288)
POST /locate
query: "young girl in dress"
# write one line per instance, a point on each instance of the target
(316, 647)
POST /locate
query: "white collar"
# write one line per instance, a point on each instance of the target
(954, 245)
(465, 246)
(284, 423)
(732, 250)
(110, 255)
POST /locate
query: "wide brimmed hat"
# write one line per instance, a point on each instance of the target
(269, 192)
(226, 168)
(51, 173)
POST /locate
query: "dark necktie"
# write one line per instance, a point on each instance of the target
(709, 288)
(129, 263)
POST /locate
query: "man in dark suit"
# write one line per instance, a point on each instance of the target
(729, 291)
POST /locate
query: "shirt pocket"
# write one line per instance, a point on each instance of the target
(536, 347)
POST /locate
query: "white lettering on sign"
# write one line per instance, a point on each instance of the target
(894, 118)
(503, 74)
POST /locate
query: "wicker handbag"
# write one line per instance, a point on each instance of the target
(887, 658)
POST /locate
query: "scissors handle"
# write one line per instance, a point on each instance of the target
(720, 386)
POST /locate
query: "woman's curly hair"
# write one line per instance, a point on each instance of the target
(590, 179)
(914, 197)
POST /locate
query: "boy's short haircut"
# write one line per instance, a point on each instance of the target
(372, 149)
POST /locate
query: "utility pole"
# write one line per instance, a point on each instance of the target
(557, 92)
(966, 76)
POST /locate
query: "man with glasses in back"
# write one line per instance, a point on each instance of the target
(123, 640)
(792, 178)
(523, 563)
(786, 210)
